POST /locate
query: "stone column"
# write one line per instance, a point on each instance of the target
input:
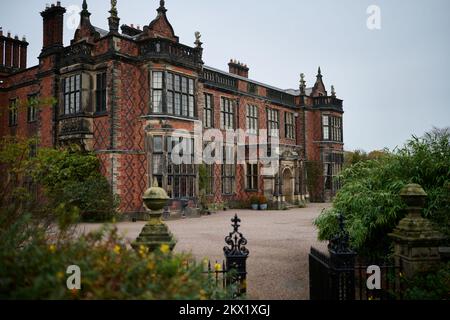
(416, 240)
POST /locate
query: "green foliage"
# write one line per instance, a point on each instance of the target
(354, 157)
(429, 285)
(54, 168)
(203, 180)
(73, 178)
(254, 199)
(66, 176)
(38, 241)
(36, 268)
(93, 197)
(370, 201)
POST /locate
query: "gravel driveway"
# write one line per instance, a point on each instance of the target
(279, 243)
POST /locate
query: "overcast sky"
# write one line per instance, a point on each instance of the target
(394, 80)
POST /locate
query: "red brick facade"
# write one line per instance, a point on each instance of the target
(100, 93)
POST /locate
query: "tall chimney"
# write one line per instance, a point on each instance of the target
(16, 54)
(8, 50)
(53, 17)
(2, 46)
(23, 53)
(238, 68)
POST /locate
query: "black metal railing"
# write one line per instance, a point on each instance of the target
(231, 274)
(390, 283)
(335, 275)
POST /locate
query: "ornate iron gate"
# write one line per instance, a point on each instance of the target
(336, 276)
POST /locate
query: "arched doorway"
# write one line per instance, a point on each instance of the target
(288, 185)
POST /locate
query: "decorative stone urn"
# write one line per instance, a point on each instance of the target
(155, 233)
(416, 240)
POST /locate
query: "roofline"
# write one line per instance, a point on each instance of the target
(248, 80)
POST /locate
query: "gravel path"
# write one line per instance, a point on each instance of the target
(279, 243)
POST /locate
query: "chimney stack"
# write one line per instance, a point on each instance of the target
(2, 46)
(8, 51)
(16, 54)
(13, 52)
(53, 20)
(23, 53)
(238, 68)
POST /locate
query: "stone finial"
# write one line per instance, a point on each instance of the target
(114, 19)
(113, 10)
(319, 72)
(333, 91)
(416, 239)
(162, 7)
(84, 6)
(302, 84)
(198, 43)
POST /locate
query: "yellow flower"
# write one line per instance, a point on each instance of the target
(60, 275)
(165, 248)
(371, 298)
(401, 274)
(143, 251)
(52, 248)
(217, 267)
(117, 249)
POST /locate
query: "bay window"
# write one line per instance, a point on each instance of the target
(72, 94)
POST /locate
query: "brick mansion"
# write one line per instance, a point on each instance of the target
(123, 92)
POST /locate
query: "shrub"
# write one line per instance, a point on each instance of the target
(370, 201)
(72, 177)
(429, 285)
(254, 200)
(109, 270)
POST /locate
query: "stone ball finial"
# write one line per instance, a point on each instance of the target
(155, 198)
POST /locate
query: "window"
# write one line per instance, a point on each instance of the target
(326, 127)
(289, 125)
(180, 95)
(333, 164)
(100, 93)
(273, 123)
(332, 128)
(228, 170)
(208, 112)
(252, 176)
(33, 103)
(13, 112)
(226, 114)
(157, 159)
(252, 119)
(157, 91)
(181, 177)
(72, 94)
